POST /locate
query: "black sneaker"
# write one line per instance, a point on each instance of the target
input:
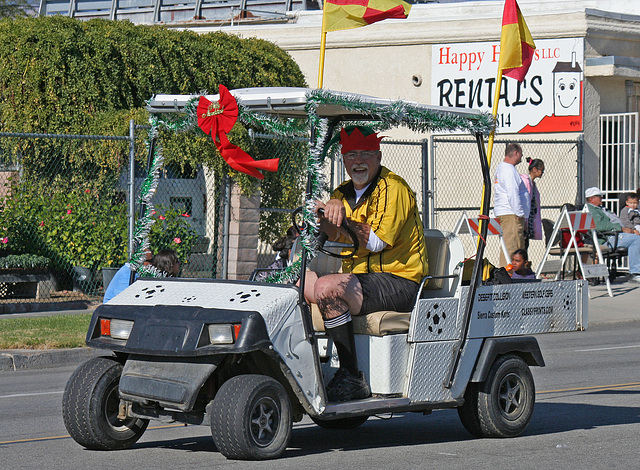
(344, 386)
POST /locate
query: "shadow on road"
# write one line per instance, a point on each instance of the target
(415, 429)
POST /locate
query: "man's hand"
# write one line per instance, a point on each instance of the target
(334, 211)
(335, 217)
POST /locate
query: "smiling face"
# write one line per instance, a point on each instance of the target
(362, 166)
(566, 94)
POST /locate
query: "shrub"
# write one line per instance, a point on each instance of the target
(24, 262)
(72, 226)
(172, 230)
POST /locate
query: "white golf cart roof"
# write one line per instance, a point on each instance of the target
(287, 102)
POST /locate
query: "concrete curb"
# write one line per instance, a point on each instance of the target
(22, 359)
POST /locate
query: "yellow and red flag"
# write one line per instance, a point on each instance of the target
(347, 14)
(516, 43)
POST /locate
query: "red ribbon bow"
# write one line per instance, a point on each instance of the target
(216, 119)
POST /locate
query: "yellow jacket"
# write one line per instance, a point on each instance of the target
(389, 207)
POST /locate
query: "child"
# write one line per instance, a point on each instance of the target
(630, 215)
(521, 265)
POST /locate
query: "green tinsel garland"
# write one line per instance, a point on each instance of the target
(397, 113)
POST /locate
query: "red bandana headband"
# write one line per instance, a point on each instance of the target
(357, 141)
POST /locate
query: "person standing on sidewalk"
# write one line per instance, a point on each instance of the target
(533, 222)
(511, 201)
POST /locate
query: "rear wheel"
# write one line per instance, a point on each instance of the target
(501, 406)
(342, 423)
(91, 404)
(251, 418)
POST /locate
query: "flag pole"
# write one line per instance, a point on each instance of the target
(323, 43)
(494, 112)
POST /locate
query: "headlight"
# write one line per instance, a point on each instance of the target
(117, 329)
(223, 333)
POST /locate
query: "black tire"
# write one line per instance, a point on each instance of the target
(251, 418)
(342, 423)
(501, 406)
(90, 406)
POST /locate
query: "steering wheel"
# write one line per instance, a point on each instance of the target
(322, 239)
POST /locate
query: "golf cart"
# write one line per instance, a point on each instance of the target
(250, 358)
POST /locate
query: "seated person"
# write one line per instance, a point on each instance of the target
(606, 221)
(521, 267)
(386, 271)
(166, 261)
(630, 215)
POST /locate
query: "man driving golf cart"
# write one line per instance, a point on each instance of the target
(385, 273)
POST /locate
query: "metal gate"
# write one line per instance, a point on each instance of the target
(618, 157)
(455, 185)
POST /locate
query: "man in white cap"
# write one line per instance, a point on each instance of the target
(607, 221)
(511, 203)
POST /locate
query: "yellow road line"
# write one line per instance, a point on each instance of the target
(51, 438)
(596, 387)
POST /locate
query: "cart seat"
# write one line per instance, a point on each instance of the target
(388, 322)
(381, 323)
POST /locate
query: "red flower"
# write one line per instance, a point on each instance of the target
(177, 240)
(68, 211)
(5, 240)
(87, 191)
(161, 217)
(41, 224)
(185, 215)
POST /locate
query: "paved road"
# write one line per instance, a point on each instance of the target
(587, 416)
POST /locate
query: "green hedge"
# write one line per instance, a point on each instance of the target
(65, 76)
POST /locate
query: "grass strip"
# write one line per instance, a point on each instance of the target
(50, 332)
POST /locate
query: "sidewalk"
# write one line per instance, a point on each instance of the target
(622, 307)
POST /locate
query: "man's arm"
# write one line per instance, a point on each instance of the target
(510, 182)
(334, 213)
(603, 223)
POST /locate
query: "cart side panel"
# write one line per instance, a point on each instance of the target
(435, 320)
(429, 366)
(527, 308)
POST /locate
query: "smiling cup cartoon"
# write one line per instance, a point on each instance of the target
(567, 77)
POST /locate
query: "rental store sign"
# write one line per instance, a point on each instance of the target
(548, 100)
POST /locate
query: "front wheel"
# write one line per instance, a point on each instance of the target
(91, 405)
(502, 405)
(251, 418)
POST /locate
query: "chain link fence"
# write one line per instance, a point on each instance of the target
(457, 183)
(65, 219)
(63, 214)
(66, 214)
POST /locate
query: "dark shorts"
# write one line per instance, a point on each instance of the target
(384, 291)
